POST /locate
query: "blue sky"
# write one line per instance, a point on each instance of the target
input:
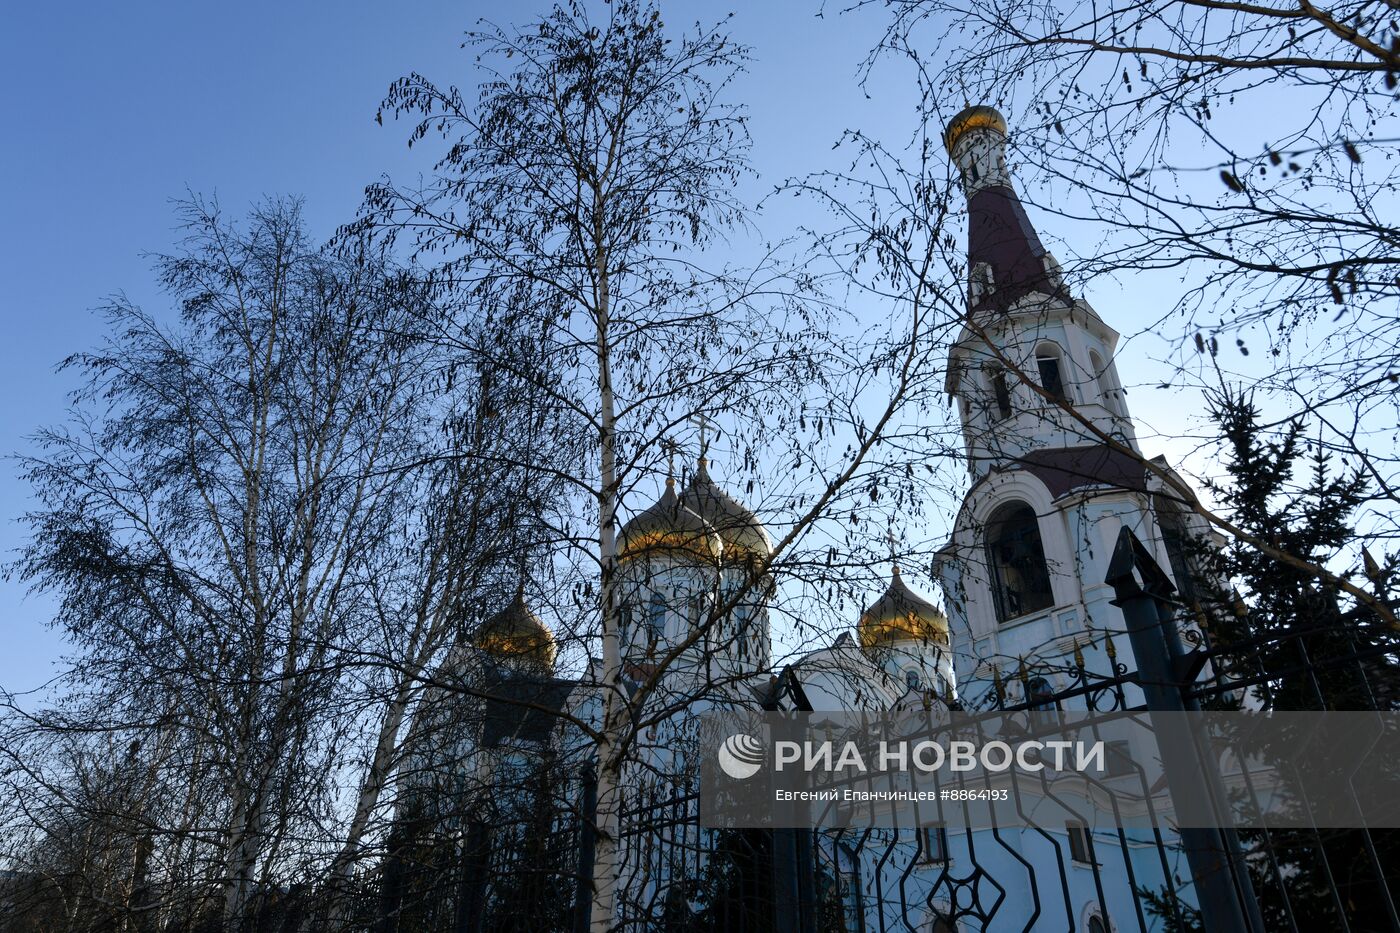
(116, 109)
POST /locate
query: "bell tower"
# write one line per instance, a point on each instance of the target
(1026, 341)
(1023, 573)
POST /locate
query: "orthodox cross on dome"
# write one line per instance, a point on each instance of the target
(671, 448)
(704, 423)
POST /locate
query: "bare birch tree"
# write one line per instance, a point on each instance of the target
(574, 197)
(254, 554)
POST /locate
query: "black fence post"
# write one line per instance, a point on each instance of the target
(391, 880)
(787, 905)
(1176, 653)
(476, 865)
(583, 893)
(807, 878)
(794, 865)
(1143, 592)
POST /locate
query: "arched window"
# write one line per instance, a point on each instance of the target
(1001, 392)
(1104, 382)
(656, 617)
(1047, 361)
(1096, 925)
(1016, 559)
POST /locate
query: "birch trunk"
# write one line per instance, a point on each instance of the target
(609, 803)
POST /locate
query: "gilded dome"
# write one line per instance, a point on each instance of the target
(669, 528)
(973, 118)
(515, 633)
(901, 615)
(744, 537)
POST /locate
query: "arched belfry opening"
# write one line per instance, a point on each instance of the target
(1019, 575)
(1050, 366)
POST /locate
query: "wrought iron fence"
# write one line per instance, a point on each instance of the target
(679, 876)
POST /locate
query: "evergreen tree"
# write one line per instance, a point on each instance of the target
(1315, 650)
(1309, 649)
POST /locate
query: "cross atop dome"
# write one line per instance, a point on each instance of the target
(705, 424)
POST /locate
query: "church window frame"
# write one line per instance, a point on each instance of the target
(656, 616)
(1018, 571)
(1049, 365)
(625, 622)
(1104, 381)
(1081, 843)
(933, 844)
(1000, 392)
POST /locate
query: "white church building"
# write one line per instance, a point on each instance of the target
(1026, 613)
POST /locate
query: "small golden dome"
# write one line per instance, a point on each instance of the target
(744, 537)
(669, 528)
(973, 118)
(517, 634)
(901, 615)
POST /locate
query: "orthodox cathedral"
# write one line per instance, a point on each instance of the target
(1027, 611)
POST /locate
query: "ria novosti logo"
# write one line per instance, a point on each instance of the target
(741, 756)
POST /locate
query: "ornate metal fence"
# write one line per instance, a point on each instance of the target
(678, 876)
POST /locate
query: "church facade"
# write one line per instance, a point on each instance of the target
(1055, 471)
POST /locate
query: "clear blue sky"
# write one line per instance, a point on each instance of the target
(113, 110)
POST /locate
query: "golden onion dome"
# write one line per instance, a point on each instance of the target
(669, 528)
(517, 634)
(901, 615)
(745, 539)
(973, 118)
